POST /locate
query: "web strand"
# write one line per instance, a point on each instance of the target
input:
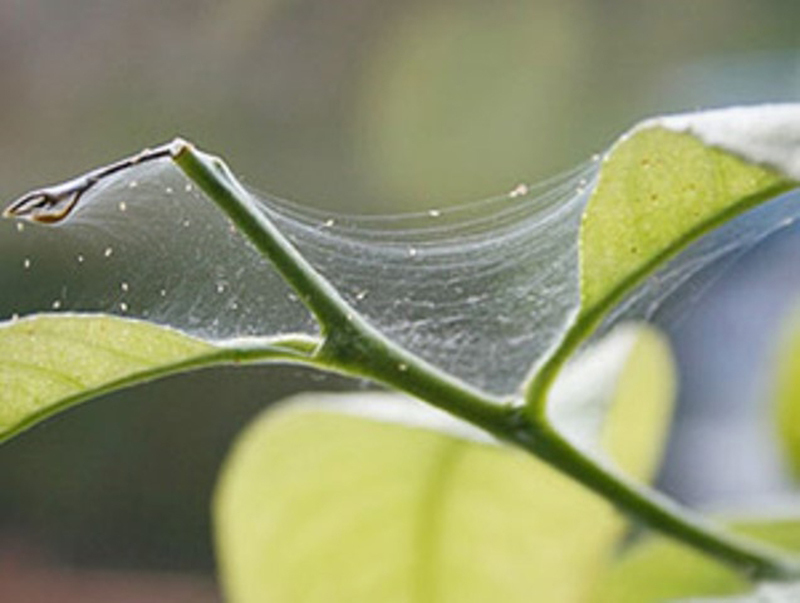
(481, 290)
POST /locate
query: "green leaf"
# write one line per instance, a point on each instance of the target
(657, 569)
(662, 186)
(673, 179)
(628, 378)
(51, 362)
(346, 498)
(787, 393)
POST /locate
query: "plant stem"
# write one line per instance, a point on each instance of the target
(351, 345)
(658, 511)
(350, 342)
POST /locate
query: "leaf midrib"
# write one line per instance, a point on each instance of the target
(431, 519)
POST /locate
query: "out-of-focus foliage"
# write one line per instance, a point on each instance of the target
(459, 97)
(658, 569)
(360, 103)
(787, 392)
(364, 505)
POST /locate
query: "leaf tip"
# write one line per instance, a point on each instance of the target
(767, 134)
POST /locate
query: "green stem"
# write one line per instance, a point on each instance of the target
(351, 345)
(350, 342)
(754, 560)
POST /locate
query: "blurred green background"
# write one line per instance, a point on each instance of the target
(355, 105)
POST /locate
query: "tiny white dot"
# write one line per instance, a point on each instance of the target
(133, 184)
(168, 190)
(521, 189)
(108, 251)
(412, 252)
(56, 304)
(80, 259)
(434, 213)
(330, 222)
(402, 367)
(26, 263)
(123, 206)
(124, 286)
(123, 306)
(20, 226)
(188, 187)
(163, 293)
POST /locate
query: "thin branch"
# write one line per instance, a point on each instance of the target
(55, 203)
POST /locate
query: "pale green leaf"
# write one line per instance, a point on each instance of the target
(626, 379)
(357, 498)
(658, 569)
(787, 393)
(51, 362)
(671, 180)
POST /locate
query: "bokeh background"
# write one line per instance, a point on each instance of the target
(359, 106)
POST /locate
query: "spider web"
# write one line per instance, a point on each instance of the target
(482, 290)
